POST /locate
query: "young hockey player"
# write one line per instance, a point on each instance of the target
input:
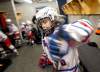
(6, 41)
(26, 29)
(23, 29)
(13, 33)
(60, 42)
(29, 32)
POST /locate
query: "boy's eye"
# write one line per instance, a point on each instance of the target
(45, 21)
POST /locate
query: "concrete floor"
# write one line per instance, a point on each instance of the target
(27, 61)
(90, 58)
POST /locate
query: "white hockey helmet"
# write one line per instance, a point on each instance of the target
(47, 12)
(81, 30)
(8, 21)
(23, 23)
(28, 22)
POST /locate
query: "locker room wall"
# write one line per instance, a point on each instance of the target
(28, 10)
(8, 6)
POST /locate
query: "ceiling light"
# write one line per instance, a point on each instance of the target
(28, 1)
(49, 0)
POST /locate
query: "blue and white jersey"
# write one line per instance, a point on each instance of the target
(57, 42)
(61, 44)
(56, 47)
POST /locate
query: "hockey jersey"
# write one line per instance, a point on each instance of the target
(57, 47)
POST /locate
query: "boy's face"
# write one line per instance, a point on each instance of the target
(46, 24)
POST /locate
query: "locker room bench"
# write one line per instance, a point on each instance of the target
(90, 58)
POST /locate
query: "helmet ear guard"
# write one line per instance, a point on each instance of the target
(34, 20)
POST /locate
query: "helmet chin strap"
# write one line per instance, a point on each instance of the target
(48, 31)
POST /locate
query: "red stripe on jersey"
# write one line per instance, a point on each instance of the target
(86, 25)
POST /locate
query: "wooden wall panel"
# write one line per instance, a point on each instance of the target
(82, 7)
